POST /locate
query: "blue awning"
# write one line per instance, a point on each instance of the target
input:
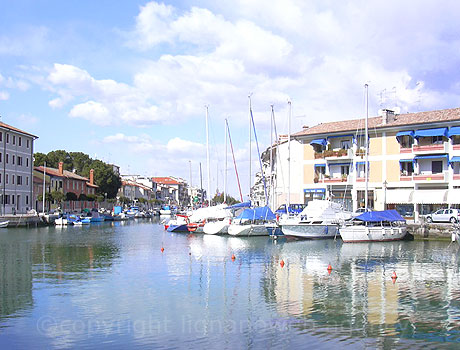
(240, 205)
(320, 165)
(454, 160)
(332, 164)
(361, 163)
(334, 136)
(321, 142)
(430, 132)
(404, 133)
(435, 156)
(377, 216)
(314, 190)
(259, 213)
(454, 131)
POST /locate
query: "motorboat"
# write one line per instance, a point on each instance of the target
(252, 222)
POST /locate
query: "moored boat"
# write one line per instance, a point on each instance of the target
(252, 222)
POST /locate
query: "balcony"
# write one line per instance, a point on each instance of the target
(456, 176)
(431, 148)
(438, 177)
(329, 180)
(335, 154)
(405, 149)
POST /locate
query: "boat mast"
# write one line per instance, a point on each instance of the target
(201, 186)
(44, 187)
(208, 195)
(250, 134)
(271, 190)
(289, 159)
(225, 172)
(366, 164)
(234, 161)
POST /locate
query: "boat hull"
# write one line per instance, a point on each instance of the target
(311, 231)
(357, 234)
(216, 228)
(4, 224)
(248, 230)
(177, 228)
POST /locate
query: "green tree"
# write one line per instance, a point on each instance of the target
(39, 159)
(124, 200)
(91, 197)
(80, 162)
(220, 199)
(104, 177)
(70, 196)
(54, 157)
(58, 196)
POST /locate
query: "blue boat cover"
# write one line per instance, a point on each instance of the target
(240, 205)
(259, 213)
(430, 132)
(453, 131)
(321, 142)
(377, 216)
(404, 133)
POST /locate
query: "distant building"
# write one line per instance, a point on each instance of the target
(75, 187)
(172, 190)
(38, 190)
(16, 165)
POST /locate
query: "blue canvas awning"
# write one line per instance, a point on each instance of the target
(321, 142)
(430, 132)
(240, 205)
(404, 133)
(405, 161)
(454, 131)
(378, 216)
(335, 136)
(454, 160)
(332, 164)
(434, 156)
(259, 213)
(320, 165)
(314, 190)
(361, 163)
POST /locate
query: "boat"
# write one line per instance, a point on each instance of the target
(219, 226)
(96, 217)
(375, 226)
(62, 221)
(198, 218)
(4, 224)
(165, 210)
(82, 221)
(319, 219)
(252, 222)
(179, 224)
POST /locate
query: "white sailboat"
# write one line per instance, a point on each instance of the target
(373, 226)
(320, 219)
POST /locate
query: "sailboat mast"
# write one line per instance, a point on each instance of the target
(201, 186)
(208, 195)
(289, 159)
(234, 161)
(250, 136)
(44, 186)
(225, 172)
(271, 161)
(366, 164)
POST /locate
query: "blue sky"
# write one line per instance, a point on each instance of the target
(127, 81)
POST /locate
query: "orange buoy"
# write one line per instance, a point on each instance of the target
(233, 257)
(162, 249)
(282, 263)
(329, 268)
(393, 276)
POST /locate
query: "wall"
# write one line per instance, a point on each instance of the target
(375, 146)
(393, 170)
(392, 145)
(375, 174)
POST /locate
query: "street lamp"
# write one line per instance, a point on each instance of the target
(385, 183)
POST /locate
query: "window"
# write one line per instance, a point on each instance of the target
(19, 180)
(7, 199)
(345, 144)
(14, 157)
(19, 160)
(1, 136)
(406, 141)
(14, 139)
(407, 168)
(7, 138)
(27, 143)
(6, 178)
(27, 181)
(436, 166)
(27, 200)
(27, 162)
(12, 179)
(19, 141)
(344, 169)
(7, 158)
(12, 198)
(437, 139)
(0, 157)
(0, 178)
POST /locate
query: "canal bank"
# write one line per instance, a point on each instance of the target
(22, 220)
(427, 231)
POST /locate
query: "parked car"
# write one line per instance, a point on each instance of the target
(293, 209)
(444, 215)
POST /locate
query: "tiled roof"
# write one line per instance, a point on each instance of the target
(135, 184)
(6, 126)
(444, 115)
(66, 173)
(165, 181)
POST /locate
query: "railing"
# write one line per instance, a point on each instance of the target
(430, 177)
(334, 179)
(435, 147)
(341, 153)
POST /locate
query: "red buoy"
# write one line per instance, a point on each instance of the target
(329, 268)
(233, 257)
(162, 249)
(393, 276)
(282, 263)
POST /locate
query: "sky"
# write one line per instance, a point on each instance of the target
(127, 82)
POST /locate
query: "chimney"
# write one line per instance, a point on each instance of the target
(61, 168)
(91, 176)
(388, 116)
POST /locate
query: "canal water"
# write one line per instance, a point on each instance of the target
(111, 286)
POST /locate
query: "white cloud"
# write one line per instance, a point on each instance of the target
(4, 95)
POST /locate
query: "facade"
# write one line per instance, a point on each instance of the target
(414, 161)
(38, 190)
(135, 190)
(16, 170)
(172, 190)
(72, 185)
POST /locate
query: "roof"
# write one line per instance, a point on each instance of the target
(66, 173)
(444, 115)
(135, 184)
(165, 181)
(12, 128)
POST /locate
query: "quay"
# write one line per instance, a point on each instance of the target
(22, 220)
(432, 231)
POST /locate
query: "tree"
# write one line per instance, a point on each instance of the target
(70, 196)
(220, 199)
(82, 197)
(105, 178)
(90, 197)
(54, 157)
(58, 197)
(39, 159)
(124, 200)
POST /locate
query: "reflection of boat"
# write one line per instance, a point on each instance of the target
(320, 219)
(375, 226)
(82, 221)
(252, 222)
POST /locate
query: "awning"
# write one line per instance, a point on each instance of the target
(454, 160)
(377, 216)
(399, 196)
(429, 197)
(401, 161)
(320, 165)
(321, 142)
(430, 132)
(453, 196)
(404, 133)
(314, 190)
(361, 163)
(334, 136)
(334, 164)
(454, 130)
(434, 156)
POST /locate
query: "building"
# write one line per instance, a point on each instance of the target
(414, 161)
(38, 190)
(135, 191)
(16, 166)
(172, 190)
(76, 188)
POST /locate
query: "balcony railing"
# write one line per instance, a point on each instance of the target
(331, 154)
(334, 179)
(456, 176)
(430, 177)
(435, 147)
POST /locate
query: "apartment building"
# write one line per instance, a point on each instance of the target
(414, 162)
(16, 170)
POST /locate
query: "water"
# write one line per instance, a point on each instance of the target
(110, 286)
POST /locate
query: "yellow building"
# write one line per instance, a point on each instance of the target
(414, 161)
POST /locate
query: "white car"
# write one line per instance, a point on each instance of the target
(444, 215)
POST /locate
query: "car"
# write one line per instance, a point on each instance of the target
(444, 215)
